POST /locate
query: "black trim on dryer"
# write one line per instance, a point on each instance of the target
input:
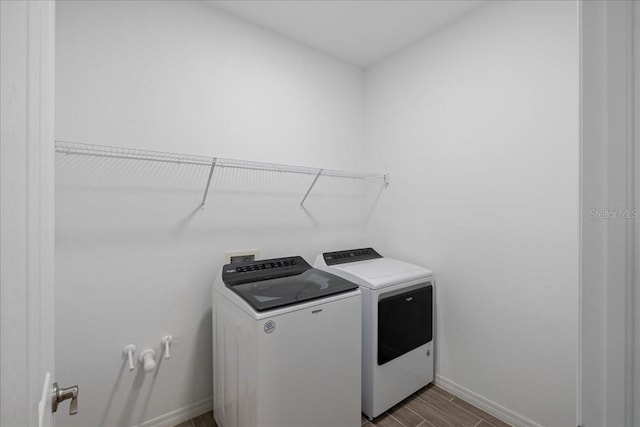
(405, 321)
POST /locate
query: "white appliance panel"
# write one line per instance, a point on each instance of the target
(399, 377)
(375, 273)
(385, 385)
(305, 372)
(312, 355)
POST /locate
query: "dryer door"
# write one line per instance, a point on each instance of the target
(405, 321)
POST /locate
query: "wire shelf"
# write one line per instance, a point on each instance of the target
(82, 149)
(77, 148)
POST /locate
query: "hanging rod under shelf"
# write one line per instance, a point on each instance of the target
(77, 148)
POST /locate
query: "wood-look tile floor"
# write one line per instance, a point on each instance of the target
(428, 407)
(434, 407)
(204, 420)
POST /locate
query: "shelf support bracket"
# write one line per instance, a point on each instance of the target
(206, 189)
(310, 188)
(386, 180)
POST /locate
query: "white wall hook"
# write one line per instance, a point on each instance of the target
(166, 340)
(128, 351)
(147, 359)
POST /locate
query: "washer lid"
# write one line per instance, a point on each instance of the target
(380, 272)
(269, 284)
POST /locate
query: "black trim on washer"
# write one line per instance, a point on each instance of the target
(278, 282)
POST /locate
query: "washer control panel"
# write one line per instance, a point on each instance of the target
(254, 271)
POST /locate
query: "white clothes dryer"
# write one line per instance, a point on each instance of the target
(397, 324)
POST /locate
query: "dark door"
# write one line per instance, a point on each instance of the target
(405, 322)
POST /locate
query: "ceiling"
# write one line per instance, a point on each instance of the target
(361, 32)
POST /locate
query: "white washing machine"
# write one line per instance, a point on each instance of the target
(286, 346)
(397, 324)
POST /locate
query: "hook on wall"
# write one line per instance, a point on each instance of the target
(166, 340)
(128, 351)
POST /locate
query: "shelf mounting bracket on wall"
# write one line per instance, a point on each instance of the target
(310, 187)
(206, 189)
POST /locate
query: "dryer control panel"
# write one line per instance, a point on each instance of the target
(350, 255)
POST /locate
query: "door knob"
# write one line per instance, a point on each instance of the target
(62, 394)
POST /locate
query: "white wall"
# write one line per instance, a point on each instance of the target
(135, 257)
(478, 127)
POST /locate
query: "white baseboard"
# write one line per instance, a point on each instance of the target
(498, 411)
(181, 414)
(187, 412)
